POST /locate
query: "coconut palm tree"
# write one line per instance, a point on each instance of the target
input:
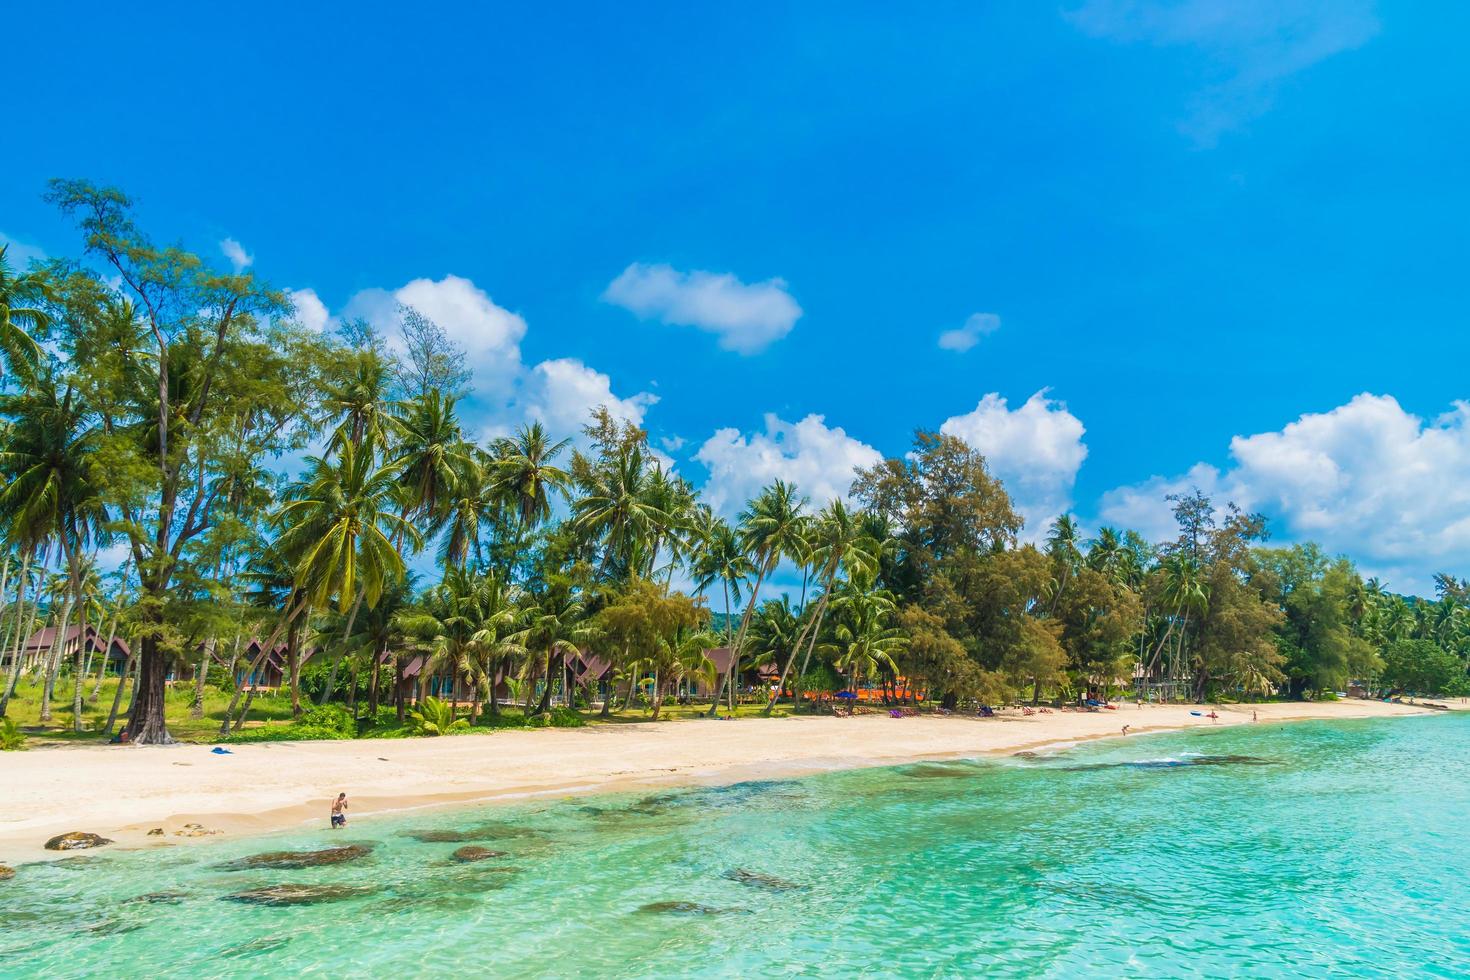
(473, 502)
(19, 352)
(718, 557)
(771, 527)
(862, 642)
(527, 474)
(838, 540)
(48, 466)
(554, 624)
(355, 400)
(620, 512)
(338, 527)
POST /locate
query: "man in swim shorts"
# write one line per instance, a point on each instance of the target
(339, 811)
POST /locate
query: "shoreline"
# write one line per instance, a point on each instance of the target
(123, 793)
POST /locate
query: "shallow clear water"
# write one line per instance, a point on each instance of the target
(1271, 850)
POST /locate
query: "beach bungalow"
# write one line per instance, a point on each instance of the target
(587, 670)
(269, 675)
(42, 641)
(761, 678)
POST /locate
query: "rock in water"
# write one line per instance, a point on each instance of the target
(295, 860)
(759, 879)
(299, 894)
(75, 841)
(473, 853)
(686, 908)
(6, 871)
(441, 836)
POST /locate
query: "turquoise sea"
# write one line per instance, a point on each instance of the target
(1273, 850)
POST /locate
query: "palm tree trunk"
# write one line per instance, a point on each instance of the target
(201, 677)
(254, 665)
(20, 593)
(346, 639)
(53, 662)
(734, 668)
(107, 652)
(545, 703)
(293, 665)
(800, 637)
(129, 667)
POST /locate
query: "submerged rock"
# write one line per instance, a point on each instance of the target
(497, 830)
(75, 841)
(474, 853)
(6, 871)
(1173, 763)
(443, 836)
(296, 894)
(687, 908)
(759, 879)
(159, 898)
(254, 947)
(295, 860)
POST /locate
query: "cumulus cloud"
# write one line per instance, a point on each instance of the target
(1366, 478)
(1251, 45)
(489, 334)
(820, 460)
(563, 393)
(235, 252)
(1036, 450)
(745, 317)
(963, 338)
(311, 312)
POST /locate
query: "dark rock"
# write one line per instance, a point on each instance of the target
(442, 836)
(474, 853)
(299, 894)
(496, 830)
(759, 879)
(195, 830)
(75, 841)
(294, 860)
(159, 898)
(156, 832)
(6, 871)
(687, 908)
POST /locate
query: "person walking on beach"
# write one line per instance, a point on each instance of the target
(1125, 729)
(339, 811)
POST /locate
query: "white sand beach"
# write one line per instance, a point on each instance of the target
(124, 792)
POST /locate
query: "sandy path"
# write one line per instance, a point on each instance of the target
(122, 792)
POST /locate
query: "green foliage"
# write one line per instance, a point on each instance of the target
(1421, 667)
(12, 739)
(436, 717)
(327, 722)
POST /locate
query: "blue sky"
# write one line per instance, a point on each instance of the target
(1224, 241)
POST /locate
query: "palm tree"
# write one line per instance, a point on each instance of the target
(355, 401)
(718, 557)
(19, 351)
(619, 510)
(51, 490)
(555, 624)
(431, 451)
(863, 642)
(839, 541)
(473, 501)
(771, 528)
(1061, 546)
(339, 532)
(527, 475)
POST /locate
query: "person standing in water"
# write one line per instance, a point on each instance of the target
(339, 811)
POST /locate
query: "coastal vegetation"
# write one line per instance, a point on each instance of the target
(192, 476)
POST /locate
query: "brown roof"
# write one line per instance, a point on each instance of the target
(721, 657)
(586, 666)
(44, 639)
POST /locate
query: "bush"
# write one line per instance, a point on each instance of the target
(556, 718)
(436, 717)
(12, 739)
(330, 721)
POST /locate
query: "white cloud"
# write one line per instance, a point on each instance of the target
(820, 460)
(1036, 450)
(235, 252)
(746, 317)
(1144, 507)
(311, 312)
(1366, 479)
(1251, 45)
(563, 393)
(18, 254)
(963, 338)
(489, 334)
(673, 443)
